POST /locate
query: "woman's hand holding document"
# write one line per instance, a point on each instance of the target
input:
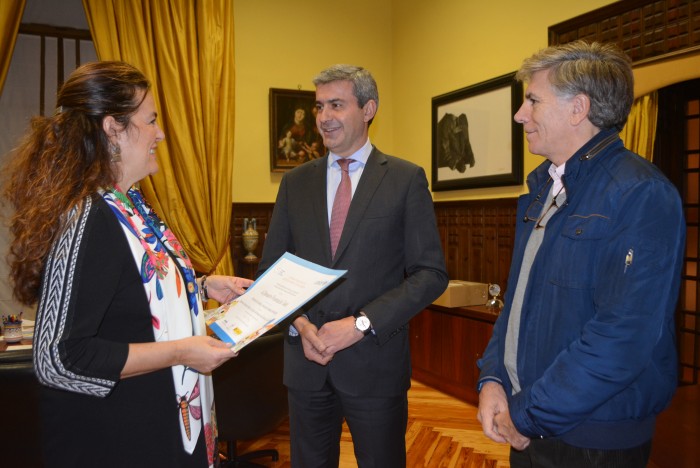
(286, 286)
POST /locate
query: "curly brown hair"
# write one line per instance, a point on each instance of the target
(62, 160)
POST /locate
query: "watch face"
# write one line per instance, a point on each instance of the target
(362, 323)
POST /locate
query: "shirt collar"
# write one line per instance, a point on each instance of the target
(556, 172)
(361, 155)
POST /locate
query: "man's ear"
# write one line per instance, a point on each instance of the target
(581, 107)
(369, 110)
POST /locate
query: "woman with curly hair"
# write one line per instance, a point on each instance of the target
(120, 346)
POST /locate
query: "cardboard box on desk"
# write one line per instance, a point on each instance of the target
(463, 293)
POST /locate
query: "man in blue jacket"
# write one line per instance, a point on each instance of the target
(582, 358)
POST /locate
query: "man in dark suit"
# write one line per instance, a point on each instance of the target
(348, 355)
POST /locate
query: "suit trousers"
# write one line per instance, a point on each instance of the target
(553, 453)
(377, 425)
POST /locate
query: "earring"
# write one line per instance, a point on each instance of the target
(115, 151)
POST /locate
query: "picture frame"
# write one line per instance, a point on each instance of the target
(294, 137)
(475, 141)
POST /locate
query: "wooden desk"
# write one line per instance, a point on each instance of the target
(21, 418)
(4, 346)
(446, 342)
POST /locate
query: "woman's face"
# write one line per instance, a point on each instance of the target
(138, 144)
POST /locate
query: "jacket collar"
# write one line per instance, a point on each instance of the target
(578, 165)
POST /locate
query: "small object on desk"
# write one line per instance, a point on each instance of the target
(250, 238)
(462, 293)
(27, 329)
(494, 303)
(12, 331)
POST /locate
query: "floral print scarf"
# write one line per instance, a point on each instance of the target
(169, 281)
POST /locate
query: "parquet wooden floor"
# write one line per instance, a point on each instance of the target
(442, 432)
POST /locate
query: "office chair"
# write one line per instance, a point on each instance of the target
(250, 398)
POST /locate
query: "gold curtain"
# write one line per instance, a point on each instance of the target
(10, 18)
(640, 131)
(185, 48)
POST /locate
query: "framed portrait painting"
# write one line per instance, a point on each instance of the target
(294, 137)
(475, 141)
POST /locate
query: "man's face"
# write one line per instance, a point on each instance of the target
(546, 119)
(340, 119)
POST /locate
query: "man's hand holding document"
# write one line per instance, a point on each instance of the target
(286, 286)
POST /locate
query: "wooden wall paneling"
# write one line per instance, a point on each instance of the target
(506, 239)
(490, 252)
(460, 240)
(443, 232)
(477, 237)
(646, 30)
(477, 245)
(463, 238)
(477, 254)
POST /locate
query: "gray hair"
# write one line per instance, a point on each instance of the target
(363, 85)
(600, 71)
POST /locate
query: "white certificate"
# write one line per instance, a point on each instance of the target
(286, 286)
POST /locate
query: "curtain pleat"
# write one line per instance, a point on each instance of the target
(640, 131)
(10, 19)
(185, 48)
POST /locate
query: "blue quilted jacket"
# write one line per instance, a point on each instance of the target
(596, 358)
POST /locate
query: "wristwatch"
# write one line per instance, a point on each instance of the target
(362, 323)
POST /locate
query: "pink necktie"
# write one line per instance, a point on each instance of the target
(341, 203)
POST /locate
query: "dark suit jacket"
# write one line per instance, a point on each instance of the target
(391, 249)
